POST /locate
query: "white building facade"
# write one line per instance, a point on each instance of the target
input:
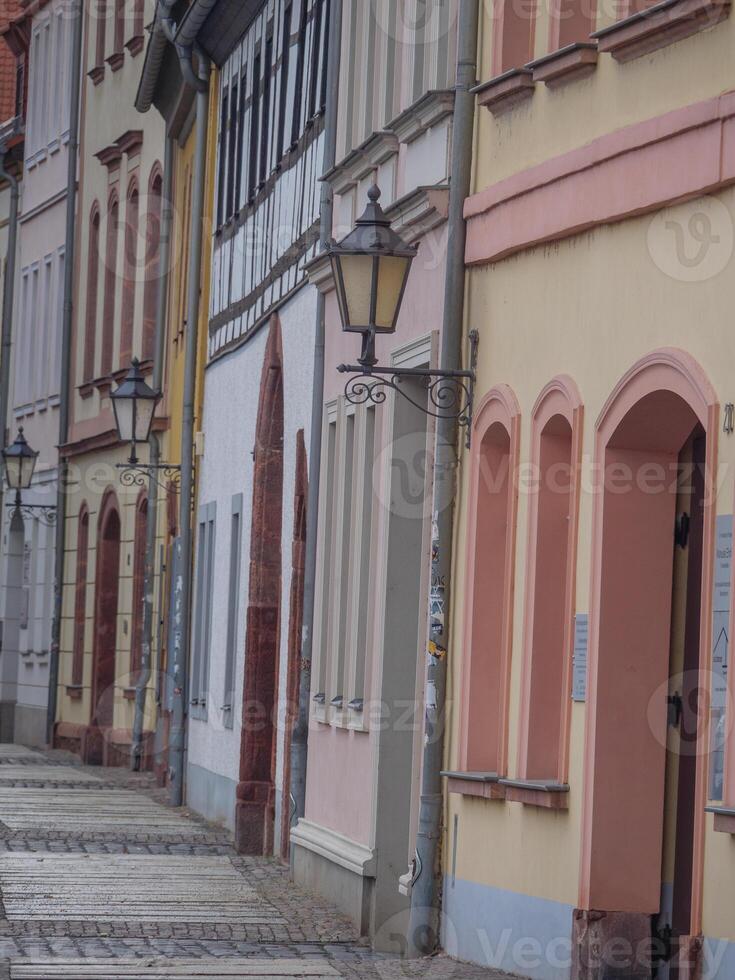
(41, 39)
(252, 489)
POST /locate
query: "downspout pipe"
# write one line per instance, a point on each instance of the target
(8, 298)
(424, 933)
(179, 667)
(65, 366)
(300, 732)
(159, 355)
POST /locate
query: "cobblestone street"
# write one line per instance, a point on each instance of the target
(99, 878)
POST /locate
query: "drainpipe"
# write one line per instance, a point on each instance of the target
(300, 733)
(177, 746)
(8, 296)
(423, 936)
(65, 368)
(159, 354)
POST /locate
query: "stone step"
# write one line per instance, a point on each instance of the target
(183, 969)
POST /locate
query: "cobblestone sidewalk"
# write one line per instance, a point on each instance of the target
(99, 878)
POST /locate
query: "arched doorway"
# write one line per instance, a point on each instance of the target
(650, 626)
(255, 807)
(107, 587)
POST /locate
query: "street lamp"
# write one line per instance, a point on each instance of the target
(134, 406)
(20, 464)
(371, 267)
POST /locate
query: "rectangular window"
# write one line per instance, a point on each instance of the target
(315, 57)
(362, 552)
(233, 607)
(254, 130)
(222, 169)
(325, 57)
(283, 94)
(240, 139)
(203, 611)
(265, 137)
(321, 620)
(231, 150)
(343, 540)
(296, 123)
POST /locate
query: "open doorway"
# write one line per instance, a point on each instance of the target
(645, 755)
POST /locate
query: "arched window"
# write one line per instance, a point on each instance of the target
(130, 275)
(152, 263)
(136, 646)
(108, 311)
(93, 263)
(515, 25)
(489, 603)
(80, 597)
(556, 446)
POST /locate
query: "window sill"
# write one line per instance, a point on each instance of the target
(570, 62)
(537, 792)
(74, 691)
(486, 785)
(96, 74)
(505, 91)
(724, 818)
(654, 28)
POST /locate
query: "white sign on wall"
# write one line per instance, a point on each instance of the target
(581, 646)
(720, 645)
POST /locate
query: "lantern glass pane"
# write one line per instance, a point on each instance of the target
(13, 472)
(145, 409)
(357, 271)
(392, 275)
(123, 408)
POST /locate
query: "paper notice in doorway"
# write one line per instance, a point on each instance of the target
(581, 644)
(720, 644)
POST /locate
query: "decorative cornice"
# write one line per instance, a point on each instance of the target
(135, 45)
(506, 90)
(110, 156)
(430, 109)
(419, 212)
(116, 60)
(130, 141)
(319, 271)
(96, 74)
(360, 162)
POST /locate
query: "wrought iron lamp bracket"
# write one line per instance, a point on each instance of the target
(45, 513)
(450, 394)
(135, 474)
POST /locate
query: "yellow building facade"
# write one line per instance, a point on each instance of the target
(589, 813)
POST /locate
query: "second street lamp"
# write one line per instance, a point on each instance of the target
(371, 267)
(20, 464)
(134, 405)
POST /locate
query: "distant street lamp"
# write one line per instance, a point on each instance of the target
(134, 406)
(371, 267)
(20, 464)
